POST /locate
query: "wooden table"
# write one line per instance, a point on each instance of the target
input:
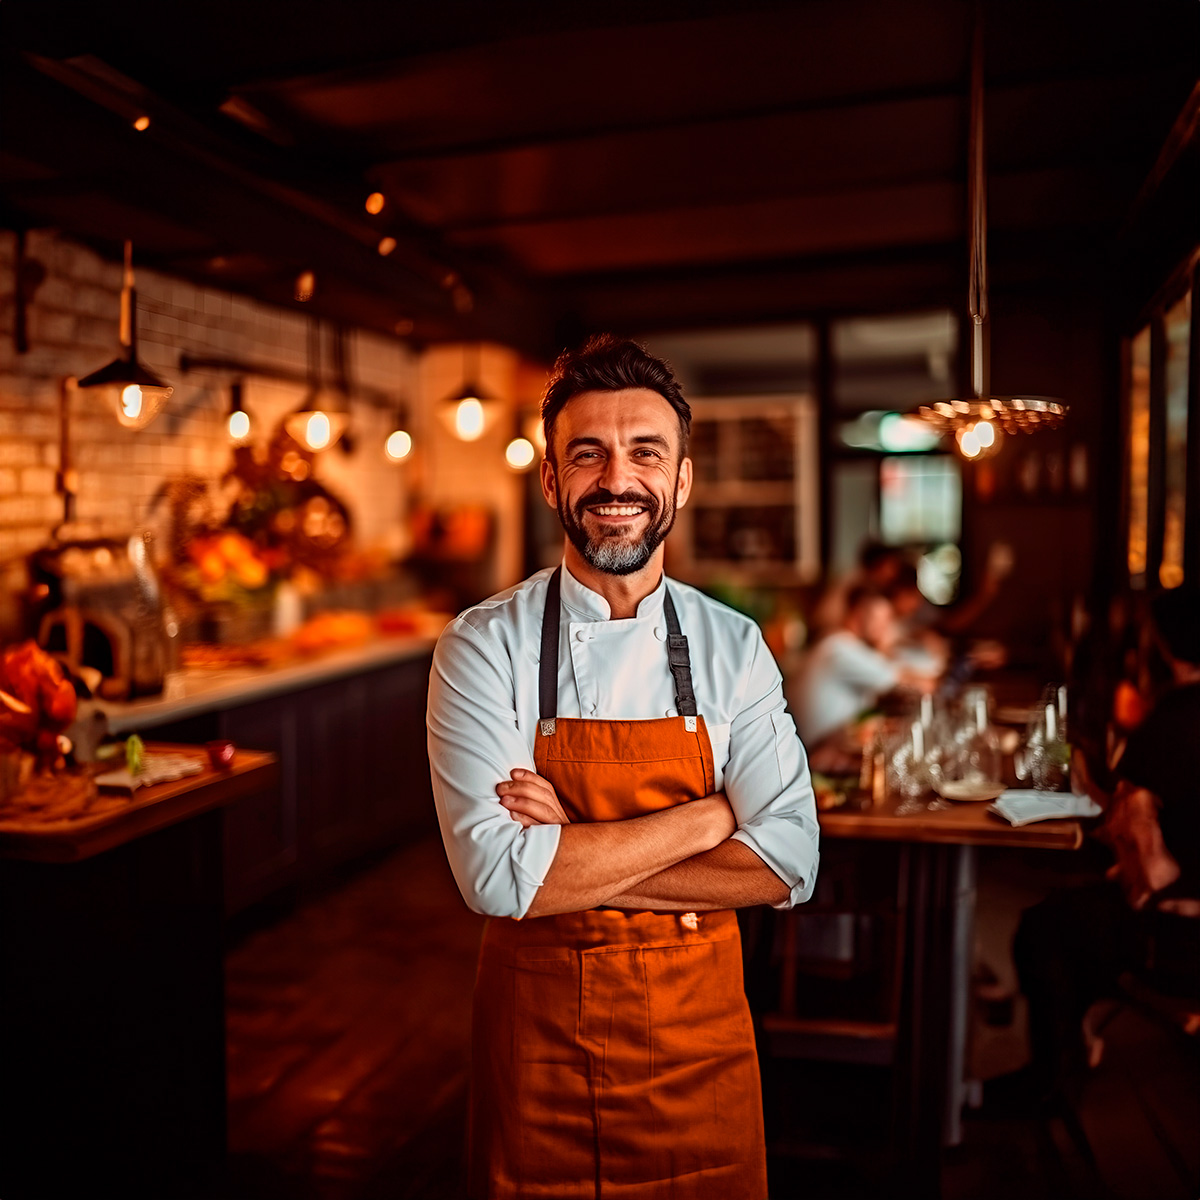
(938, 870)
(112, 1041)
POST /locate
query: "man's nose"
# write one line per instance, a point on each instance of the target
(617, 475)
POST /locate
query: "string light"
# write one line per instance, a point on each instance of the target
(386, 246)
(142, 124)
(375, 203)
(305, 287)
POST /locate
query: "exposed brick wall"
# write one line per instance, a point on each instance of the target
(72, 329)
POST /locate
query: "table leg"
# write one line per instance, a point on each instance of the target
(962, 949)
(932, 1050)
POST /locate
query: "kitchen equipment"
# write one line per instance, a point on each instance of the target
(97, 604)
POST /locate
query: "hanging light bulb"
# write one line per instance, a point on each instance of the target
(1011, 414)
(315, 428)
(469, 411)
(238, 422)
(519, 454)
(135, 393)
(398, 444)
(317, 424)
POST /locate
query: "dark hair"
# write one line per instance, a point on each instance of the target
(905, 581)
(874, 554)
(862, 594)
(607, 363)
(1177, 618)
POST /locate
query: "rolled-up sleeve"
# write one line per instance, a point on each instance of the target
(474, 744)
(767, 781)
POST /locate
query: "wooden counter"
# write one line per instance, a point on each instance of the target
(112, 993)
(348, 729)
(149, 809)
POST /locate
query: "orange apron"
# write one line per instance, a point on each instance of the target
(612, 1051)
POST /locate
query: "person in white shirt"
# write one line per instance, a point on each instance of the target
(614, 770)
(846, 673)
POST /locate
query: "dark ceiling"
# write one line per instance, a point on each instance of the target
(551, 167)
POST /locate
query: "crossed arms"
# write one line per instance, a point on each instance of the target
(678, 859)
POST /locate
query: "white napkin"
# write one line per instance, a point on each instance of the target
(1022, 806)
(156, 768)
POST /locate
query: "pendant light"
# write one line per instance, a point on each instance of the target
(238, 422)
(135, 392)
(469, 411)
(398, 444)
(316, 424)
(980, 421)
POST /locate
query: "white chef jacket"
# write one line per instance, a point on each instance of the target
(483, 715)
(840, 678)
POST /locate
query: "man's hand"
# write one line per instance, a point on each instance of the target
(531, 799)
(1144, 865)
(599, 859)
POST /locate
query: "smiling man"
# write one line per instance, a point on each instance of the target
(615, 772)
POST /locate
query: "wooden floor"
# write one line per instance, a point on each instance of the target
(348, 1019)
(348, 1026)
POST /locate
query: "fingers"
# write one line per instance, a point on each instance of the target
(536, 810)
(531, 799)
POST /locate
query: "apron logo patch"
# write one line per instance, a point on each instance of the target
(547, 727)
(689, 723)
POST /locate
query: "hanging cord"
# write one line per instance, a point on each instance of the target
(977, 300)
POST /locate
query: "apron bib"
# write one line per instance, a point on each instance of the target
(612, 1051)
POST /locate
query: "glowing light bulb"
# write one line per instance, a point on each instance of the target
(375, 203)
(317, 431)
(969, 443)
(398, 445)
(468, 420)
(305, 286)
(142, 124)
(386, 246)
(519, 453)
(985, 433)
(239, 425)
(131, 402)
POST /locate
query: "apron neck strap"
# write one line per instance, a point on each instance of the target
(548, 665)
(678, 656)
(679, 660)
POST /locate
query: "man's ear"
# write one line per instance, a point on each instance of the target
(683, 489)
(549, 483)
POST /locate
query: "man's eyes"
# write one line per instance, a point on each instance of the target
(644, 452)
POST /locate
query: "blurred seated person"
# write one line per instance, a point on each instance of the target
(878, 566)
(918, 643)
(844, 675)
(923, 628)
(1071, 949)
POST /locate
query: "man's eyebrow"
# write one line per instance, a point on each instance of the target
(651, 439)
(641, 439)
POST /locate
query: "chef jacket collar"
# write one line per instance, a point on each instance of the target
(591, 606)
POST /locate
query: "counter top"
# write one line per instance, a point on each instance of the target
(201, 690)
(118, 821)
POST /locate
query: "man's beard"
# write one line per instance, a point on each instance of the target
(616, 553)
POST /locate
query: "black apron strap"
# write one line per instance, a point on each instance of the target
(678, 656)
(680, 661)
(548, 666)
